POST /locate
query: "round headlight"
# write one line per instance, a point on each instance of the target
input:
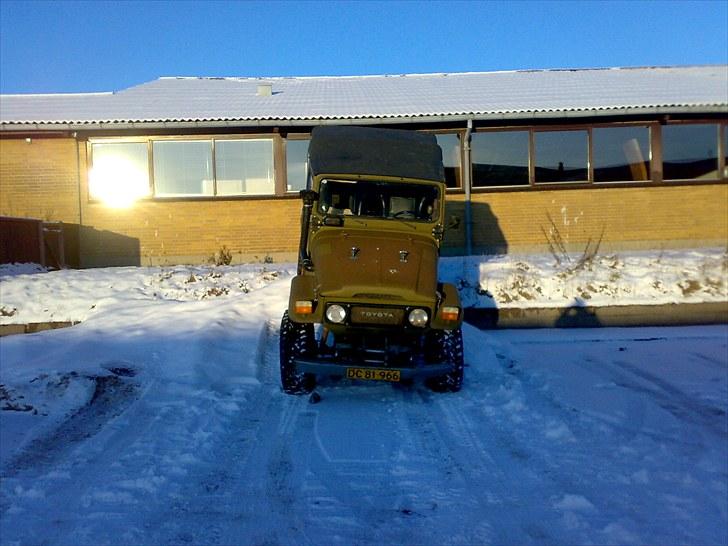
(336, 314)
(418, 317)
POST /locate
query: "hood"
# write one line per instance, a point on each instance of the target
(382, 265)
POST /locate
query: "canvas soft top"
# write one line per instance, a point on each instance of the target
(337, 150)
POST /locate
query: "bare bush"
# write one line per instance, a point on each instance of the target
(557, 247)
(222, 257)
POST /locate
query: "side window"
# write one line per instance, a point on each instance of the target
(296, 164)
(690, 152)
(621, 154)
(450, 145)
(561, 156)
(500, 158)
(183, 168)
(119, 173)
(244, 167)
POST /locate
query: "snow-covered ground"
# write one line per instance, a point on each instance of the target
(159, 420)
(75, 295)
(506, 281)
(560, 280)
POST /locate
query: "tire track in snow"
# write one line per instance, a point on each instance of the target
(111, 397)
(115, 485)
(442, 468)
(247, 489)
(493, 471)
(525, 422)
(91, 439)
(403, 497)
(472, 481)
(603, 460)
(673, 400)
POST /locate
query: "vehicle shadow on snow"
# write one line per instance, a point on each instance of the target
(492, 318)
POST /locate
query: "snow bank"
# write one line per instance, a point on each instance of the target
(29, 294)
(624, 278)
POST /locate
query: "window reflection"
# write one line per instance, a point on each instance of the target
(689, 152)
(561, 156)
(621, 154)
(450, 145)
(183, 168)
(500, 158)
(296, 164)
(244, 167)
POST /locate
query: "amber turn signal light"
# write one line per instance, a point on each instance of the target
(303, 307)
(450, 313)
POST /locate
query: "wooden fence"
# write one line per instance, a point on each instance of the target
(28, 240)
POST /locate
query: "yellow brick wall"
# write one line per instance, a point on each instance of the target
(40, 180)
(183, 231)
(645, 217)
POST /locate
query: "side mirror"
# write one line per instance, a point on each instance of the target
(308, 196)
(454, 222)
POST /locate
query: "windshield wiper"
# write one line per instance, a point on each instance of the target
(403, 221)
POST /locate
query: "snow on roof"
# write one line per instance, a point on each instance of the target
(315, 100)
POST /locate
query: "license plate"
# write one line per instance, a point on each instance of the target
(373, 374)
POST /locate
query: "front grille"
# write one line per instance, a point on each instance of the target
(377, 296)
(376, 315)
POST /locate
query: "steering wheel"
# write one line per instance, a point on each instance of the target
(402, 212)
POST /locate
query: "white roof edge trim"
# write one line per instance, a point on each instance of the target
(271, 122)
(647, 108)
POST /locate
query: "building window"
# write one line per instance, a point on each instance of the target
(621, 154)
(183, 168)
(500, 158)
(450, 145)
(120, 172)
(244, 167)
(690, 152)
(296, 164)
(561, 156)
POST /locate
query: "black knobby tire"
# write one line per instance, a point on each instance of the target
(447, 345)
(297, 340)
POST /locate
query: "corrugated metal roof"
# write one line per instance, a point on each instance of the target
(480, 95)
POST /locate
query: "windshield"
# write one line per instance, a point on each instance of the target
(379, 199)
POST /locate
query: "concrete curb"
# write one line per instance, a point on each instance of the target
(32, 328)
(675, 314)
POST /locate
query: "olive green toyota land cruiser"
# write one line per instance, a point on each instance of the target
(366, 303)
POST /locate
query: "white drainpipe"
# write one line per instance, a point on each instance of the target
(467, 171)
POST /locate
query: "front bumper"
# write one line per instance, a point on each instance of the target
(327, 367)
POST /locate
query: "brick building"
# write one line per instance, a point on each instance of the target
(171, 170)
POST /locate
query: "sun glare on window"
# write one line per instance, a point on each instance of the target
(117, 182)
(120, 173)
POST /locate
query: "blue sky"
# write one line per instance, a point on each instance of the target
(54, 47)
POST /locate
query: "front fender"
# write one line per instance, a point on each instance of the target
(303, 287)
(450, 298)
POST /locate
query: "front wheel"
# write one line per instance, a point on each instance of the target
(448, 346)
(297, 340)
